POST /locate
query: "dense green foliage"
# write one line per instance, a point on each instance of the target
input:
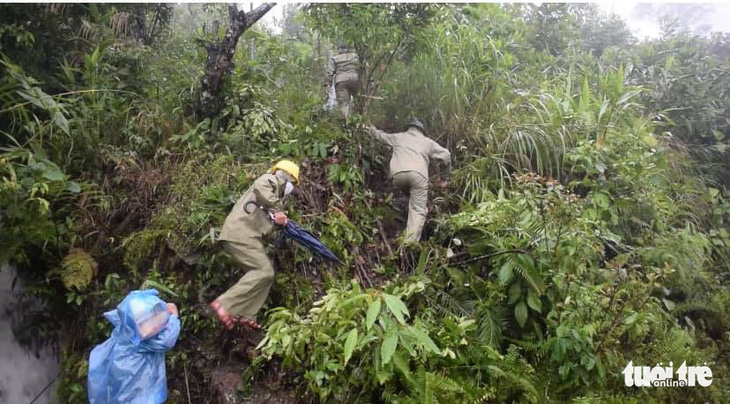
(586, 225)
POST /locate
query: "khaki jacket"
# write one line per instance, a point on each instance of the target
(412, 151)
(242, 227)
(342, 67)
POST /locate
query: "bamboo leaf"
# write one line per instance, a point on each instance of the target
(372, 314)
(350, 344)
(388, 348)
(396, 306)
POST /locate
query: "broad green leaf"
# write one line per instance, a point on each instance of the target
(631, 319)
(373, 312)
(396, 306)
(388, 348)
(506, 272)
(533, 300)
(521, 313)
(27, 182)
(60, 120)
(588, 361)
(600, 368)
(515, 291)
(350, 344)
(53, 173)
(669, 304)
(525, 262)
(73, 187)
(601, 200)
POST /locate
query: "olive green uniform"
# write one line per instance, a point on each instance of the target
(343, 69)
(242, 238)
(412, 152)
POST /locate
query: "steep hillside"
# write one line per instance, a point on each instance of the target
(585, 225)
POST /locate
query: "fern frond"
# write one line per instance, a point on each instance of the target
(78, 269)
(530, 279)
(693, 305)
(491, 322)
(538, 349)
(447, 304)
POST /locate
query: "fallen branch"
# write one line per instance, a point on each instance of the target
(187, 386)
(486, 256)
(385, 240)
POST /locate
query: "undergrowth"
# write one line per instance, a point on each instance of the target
(586, 224)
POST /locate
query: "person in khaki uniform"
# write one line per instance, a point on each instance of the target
(412, 152)
(343, 70)
(242, 238)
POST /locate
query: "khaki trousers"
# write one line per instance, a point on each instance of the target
(343, 91)
(417, 186)
(246, 297)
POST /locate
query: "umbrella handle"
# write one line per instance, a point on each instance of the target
(245, 209)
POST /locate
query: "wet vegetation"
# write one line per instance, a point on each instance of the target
(586, 224)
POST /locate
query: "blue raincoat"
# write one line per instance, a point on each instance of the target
(129, 367)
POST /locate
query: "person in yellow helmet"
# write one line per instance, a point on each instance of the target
(242, 238)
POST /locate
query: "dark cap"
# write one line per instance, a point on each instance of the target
(418, 124)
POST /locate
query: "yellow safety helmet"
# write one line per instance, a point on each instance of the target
(288, 167)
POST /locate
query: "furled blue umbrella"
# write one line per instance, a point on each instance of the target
(309, 240)
(301, 236)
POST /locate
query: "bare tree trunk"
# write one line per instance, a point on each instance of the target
(220, 57)
(251, 44)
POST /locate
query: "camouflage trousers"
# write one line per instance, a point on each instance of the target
(248, 295)
(344, 91)
(417, 186)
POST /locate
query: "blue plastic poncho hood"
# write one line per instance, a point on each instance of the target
(129, 367)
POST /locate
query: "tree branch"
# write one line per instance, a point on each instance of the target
(220, 57)
(256, 14)
(486, 256)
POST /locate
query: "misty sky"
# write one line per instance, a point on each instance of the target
(642, 18)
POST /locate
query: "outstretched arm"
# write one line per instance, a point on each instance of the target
(380, 136)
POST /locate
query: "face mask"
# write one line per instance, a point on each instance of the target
(288, 188)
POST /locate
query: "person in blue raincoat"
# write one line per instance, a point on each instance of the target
(129, 367)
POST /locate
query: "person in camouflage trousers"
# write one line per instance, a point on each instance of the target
(412, 152)
(342, 70)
